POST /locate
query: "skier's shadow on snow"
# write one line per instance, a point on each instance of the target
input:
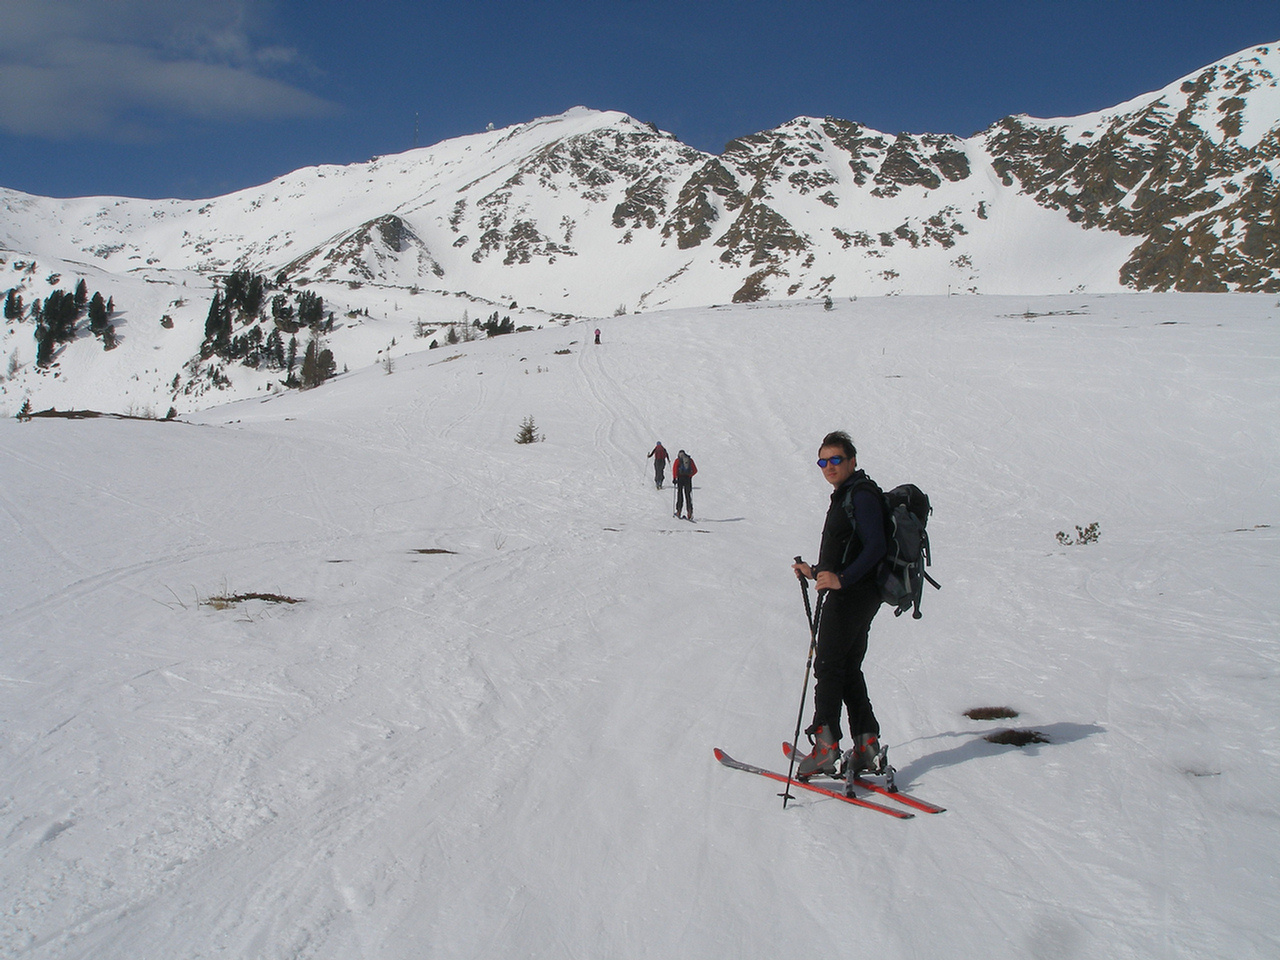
(977, 748)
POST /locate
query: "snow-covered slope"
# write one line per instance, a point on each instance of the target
(505, 749)
(594, 213)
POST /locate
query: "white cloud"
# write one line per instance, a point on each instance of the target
(121, 69)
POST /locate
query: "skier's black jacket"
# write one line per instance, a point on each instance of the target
(854, 553)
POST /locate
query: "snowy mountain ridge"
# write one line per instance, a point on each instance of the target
(593, 213)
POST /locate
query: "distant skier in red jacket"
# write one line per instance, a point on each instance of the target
(660, 458)
(682, 471)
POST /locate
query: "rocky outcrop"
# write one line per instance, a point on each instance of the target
(1185, 170)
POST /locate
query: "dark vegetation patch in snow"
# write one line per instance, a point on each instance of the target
(229, 600)
(1016, 738)
(991, 713)
(51, 413)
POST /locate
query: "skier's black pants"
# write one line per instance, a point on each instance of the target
(684, 493)
(837, 666)
(659, 469)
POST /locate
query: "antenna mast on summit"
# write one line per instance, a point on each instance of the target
(415, 129)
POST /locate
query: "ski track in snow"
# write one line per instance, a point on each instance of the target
(506, 748)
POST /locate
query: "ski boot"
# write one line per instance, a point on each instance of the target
(869, 757)
(826, 751)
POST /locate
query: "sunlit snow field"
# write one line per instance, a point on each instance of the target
(505, 749)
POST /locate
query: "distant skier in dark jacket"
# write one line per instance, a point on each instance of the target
(846, 578)
(660, 458)
(682, 471)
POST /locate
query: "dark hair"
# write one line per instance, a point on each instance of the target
(838, 438)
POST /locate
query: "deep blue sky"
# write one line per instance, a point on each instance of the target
(177, 98)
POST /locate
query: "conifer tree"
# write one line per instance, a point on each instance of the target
(275, 350)
(528, 432)
(233, 287)
(244, 291)
(254, 294)
(317, 363)
(310, 309)
(97, 315)
(60, 315)
(45, 345)
(282, 313)
(13, 305)
(213, 322)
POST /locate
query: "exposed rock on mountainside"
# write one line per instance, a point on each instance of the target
(1187, 170)
(920, 162)
(597, 213)
(711, 189)
(373, 250)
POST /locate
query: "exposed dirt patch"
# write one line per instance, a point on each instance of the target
(230, 600)
(1016, 738)
(87, 415)
(991, 713)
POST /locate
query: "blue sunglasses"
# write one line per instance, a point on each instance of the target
(834, 461)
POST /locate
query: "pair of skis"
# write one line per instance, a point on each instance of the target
(845, 794)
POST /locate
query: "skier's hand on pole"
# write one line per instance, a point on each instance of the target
(826, 580)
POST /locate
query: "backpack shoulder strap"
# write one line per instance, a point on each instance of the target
(862, 483)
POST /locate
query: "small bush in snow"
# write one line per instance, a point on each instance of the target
(1084, 535)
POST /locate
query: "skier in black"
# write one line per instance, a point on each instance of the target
(682, 470)
(660, 458)
(845, 577)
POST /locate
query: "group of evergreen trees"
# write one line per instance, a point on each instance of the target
(241, 302)
(495, 327)
(57, 316)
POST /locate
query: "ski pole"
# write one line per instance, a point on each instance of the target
(808, 667)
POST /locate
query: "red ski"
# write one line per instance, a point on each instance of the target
(924, 806)
(728, 761)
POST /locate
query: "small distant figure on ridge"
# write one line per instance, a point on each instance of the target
(682, 470)
(660, 458)
(597, 334)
